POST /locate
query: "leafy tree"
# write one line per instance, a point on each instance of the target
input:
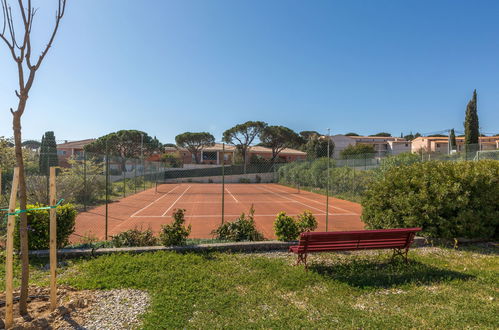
(195, 142)
(279, 138)
(125, 144)
(352, 134)
(242, 135)
(453, 142)
(411, 136)
(358, 151)
(382, 134)
(307, 134)
(437, 135)
(172, 160)
(7, 154)
(316, 147)
(471, 130)
(31, 144)
(48, 153)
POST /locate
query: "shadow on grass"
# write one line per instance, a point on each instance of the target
(385, 274)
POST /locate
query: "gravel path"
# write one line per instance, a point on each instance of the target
(112, 309)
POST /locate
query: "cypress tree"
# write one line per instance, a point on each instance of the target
(471, 132)
(452, 140)
(48, 153)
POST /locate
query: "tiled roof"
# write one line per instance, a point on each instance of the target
(231, 148)
(75, 144)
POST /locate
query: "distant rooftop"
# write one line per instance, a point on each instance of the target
(75, 144)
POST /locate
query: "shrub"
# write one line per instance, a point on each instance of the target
(175, 233)
(306, 221)
(448, 200)
(244, 180)
(38, 226)
(286, 228)
(242, 229)
(135, 237)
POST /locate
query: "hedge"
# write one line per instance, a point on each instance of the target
(447, 199)
(38, 226)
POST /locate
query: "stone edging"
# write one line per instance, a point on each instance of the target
(219, 247)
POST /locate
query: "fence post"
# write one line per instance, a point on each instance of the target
(9, 258)
(223, 182)
(107, 191)
(327, 178)
(85, 192)
(53, 241)
(135, 175)
(124, 179)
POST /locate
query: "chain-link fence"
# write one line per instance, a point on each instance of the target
(114, 193)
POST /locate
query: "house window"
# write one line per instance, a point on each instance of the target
(61, 152)
(438, 145)
(209, 155)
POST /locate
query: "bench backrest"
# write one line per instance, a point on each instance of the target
(357, 240)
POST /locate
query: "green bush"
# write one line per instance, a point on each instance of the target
(175, 233)
(448, 200)
(286, 228)
(306, 221)
(244, 180)
(39, 224)
(134, 237)
(242, 229)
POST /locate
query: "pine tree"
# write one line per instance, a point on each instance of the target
(48, 153)
(471, 131)
(452, 138)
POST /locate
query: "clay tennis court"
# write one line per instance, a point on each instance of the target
(202, 202)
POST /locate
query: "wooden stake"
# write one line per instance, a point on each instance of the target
(53, 242)
(9, 259)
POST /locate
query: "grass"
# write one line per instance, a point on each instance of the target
(440, 288)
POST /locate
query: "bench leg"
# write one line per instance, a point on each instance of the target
(302, 259)
(403, 253)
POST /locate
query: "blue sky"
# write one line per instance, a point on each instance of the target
(166, 67)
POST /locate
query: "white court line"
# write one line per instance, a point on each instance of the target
(308, 199)
(145, 207)
(293, 200)
(232, 195)
(179, 197)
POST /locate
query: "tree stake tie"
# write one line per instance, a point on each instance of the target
(33, 209)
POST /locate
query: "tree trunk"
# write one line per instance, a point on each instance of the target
(23, 227)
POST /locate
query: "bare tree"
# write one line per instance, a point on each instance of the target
(19, 45)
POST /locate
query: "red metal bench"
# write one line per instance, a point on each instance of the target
(398, 239)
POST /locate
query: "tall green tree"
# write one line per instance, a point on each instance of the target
(452, 139)
(307, 134)
(195, 142)
(279, 138)
(382, 134)
(471, 130)
(316, 147)
(48, 153)
(125, 144)
(243, 135)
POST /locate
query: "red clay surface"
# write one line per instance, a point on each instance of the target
(202, 202)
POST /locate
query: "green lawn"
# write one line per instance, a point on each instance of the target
(440, 288)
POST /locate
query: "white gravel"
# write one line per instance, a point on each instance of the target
(114, 309)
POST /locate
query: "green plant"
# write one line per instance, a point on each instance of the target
(286, 228)
(38, 226)
(242, 229)
(447, 199)
(175, 233)
(306, 221)
(135, 237)
(244, 180)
